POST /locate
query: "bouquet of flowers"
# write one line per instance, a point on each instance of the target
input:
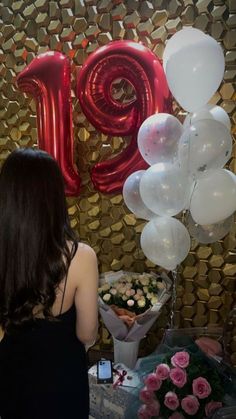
(130, 297)
(184, 385)
(129, 303)
(133, 292)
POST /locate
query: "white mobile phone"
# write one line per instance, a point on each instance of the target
(104, 372)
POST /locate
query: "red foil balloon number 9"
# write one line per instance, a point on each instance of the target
(139, 66)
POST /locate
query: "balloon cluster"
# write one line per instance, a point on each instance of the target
(186, 161)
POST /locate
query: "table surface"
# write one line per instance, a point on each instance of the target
(107, 402)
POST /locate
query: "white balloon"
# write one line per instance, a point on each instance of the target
(165, 241)
(195, 71)
(214, 197)
(132, 196)
(185, 37)
(208, 112)
(165, 189)
(158, 138)
(209, 233)
(206, 144)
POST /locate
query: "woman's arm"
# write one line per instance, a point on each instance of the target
(1, 334)
(86, 295)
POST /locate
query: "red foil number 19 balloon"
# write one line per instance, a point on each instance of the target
(47, 79)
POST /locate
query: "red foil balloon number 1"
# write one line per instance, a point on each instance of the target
(47, 78)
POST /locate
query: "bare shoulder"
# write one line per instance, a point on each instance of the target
(84, 263)
(85, 254)
(85, 250)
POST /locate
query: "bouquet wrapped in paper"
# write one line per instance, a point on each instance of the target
(180, 380)
(129, 304)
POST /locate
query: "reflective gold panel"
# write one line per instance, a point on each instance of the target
(206, 288)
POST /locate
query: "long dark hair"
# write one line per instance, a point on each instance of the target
(34, 235)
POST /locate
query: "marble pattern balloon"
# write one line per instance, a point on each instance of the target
(158, 138)
(206, 144)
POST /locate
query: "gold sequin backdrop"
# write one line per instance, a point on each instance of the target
(206, 286)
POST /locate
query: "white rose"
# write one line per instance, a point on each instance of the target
(130, 303)
(144, 281)
(137, 297)
(105, 287)
(141, 302)
(124, 278)
(154, 300)
(124, 298)
(140, 292)
(145, 289)
(113, 291)
(149, 295)
(106, 297)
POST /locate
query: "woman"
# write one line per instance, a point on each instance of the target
(48, 295)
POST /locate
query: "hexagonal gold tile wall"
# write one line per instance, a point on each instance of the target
(206, 287)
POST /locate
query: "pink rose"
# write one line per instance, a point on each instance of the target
(201, 388)
(146, 396)
(152, 382)
(153, 408)
(190, 405)
(178, 377)
(211, 407)
(180, 359)
(163, 371)
(143, 413)
(171, 400)
(176, 415)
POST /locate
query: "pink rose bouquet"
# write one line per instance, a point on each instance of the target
(183, 386)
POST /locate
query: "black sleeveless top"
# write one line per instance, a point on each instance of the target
(43, 371)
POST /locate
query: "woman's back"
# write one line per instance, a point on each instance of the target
(43, 367)
(43, 372)
(48, 294)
